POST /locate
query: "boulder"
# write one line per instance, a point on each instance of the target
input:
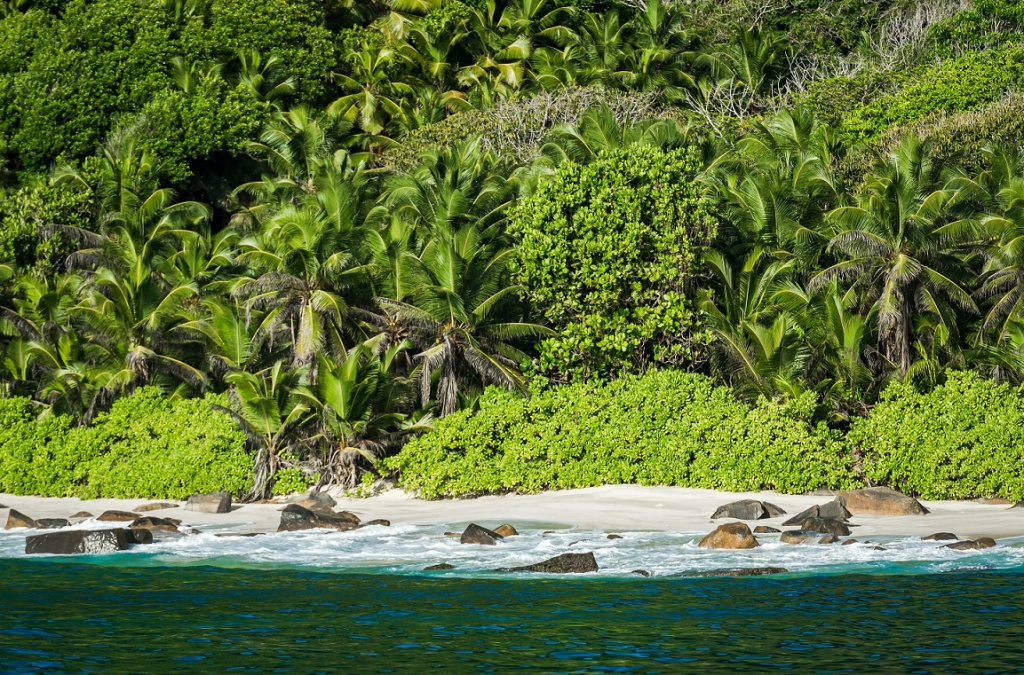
(849, 542)
(643, 573)
(138, 536)
(835, 510)
(748, 509)
(153, 523)
(295, 518)
(567, 563)
(213, 502)
(378, 521)
(317, 501)
(16, 519)
(438, 567)
(985, 542)
(799, 536)
(825, 526)
(828, 539)
(881, 501)
(68, 542)
(52, 523)
(614, 536)
(81, 515)
(117, 517)
(743, 572)
(800, 517)
(730, 535)
(764, 529)
(155, 506)
(941, 536)
(964, 546)
(474, 534)
(453, 534)
(240, 534)
(505, 530)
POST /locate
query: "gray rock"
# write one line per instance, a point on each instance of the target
(743, 572)
(567, 563)
(800, 517)
(745, 509)
(295, 518)
(825, 526)
(316, 501)
(764, 529)
(941, 536)
(155, 506)
(881, 501)
(438, 567)
(834, 510)
(117, 517)
(213, 502)
(68, 542)
(16, 519)
(799, 536)
(52, 523)
(985, 542)
(138, 536)
(474, 534)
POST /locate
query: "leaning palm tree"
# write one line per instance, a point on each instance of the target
(900, 252)
(453, 317)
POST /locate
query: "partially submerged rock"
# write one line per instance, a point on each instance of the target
(155, 506)
(748, 509)
(742, 572)
(295, 518)
(138, 536)
(81, 515)
(825, 526)
(643, 573)
(566, 563)
(69, 542)
(975, 545)
(881, 501)
(730, 536)
(52, 523)
(505, 530)
(799, 536)
(379, 521)
(117, 517)
(212, 502)
(941, 536)
(438, 567)
(153, 523)
(16, 519)
(614, 536)
(474, 534)
(764, 529)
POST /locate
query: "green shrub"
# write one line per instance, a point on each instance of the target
(662, 428)
(146, 446)
(291, 480)
(965, 438)
(609, 253)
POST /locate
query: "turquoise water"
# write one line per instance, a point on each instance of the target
(63, 616)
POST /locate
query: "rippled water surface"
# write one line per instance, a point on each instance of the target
(360, 602)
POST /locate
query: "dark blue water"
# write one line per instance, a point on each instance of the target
(62, 617)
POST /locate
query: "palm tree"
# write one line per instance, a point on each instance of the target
(899, 251)
(372, 102)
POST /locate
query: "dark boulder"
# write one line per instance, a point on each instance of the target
(800, 517)
(976, 545)
(825, 526)
(438, 567)
(614, 536)
(730, 536)
(155, 506)
(882, 501)
(985, 542)
(213, 502)
(82, 515)
(154, 523)
(828, 539)
(941, 536)
(849, 542)
(16, 519)
(567, 563)
(743, 572)
(453, 534)
(240, 534)
(748, 509)
(764, 529)
(117, 517)
(474, 534)
(378, 521)
(835, 510)
(138, 536)
(643, 573)
(295, 518)
(505, 530)
(317, 501)
(52, 523)
(68, 542)
(799, 536)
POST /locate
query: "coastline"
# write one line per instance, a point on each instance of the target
(610, 508)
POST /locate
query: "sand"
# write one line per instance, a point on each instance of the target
(612, 508)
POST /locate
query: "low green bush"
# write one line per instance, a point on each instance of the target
(963, 439)
(148, 445)
(663, 428)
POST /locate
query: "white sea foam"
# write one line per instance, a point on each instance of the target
(410, 548)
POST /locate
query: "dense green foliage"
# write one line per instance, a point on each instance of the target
(663, 428)
(350, 219)
(146, 446)
(963, 439)
(609, 254)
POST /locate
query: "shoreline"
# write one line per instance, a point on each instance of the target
(610, 507)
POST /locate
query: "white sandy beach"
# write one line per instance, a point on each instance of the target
(611, 508)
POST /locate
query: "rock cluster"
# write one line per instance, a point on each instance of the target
(566, 563)
(748, 509)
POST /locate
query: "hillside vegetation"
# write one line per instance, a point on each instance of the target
(321, 230)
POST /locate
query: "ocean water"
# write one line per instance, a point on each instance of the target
(360, 602)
